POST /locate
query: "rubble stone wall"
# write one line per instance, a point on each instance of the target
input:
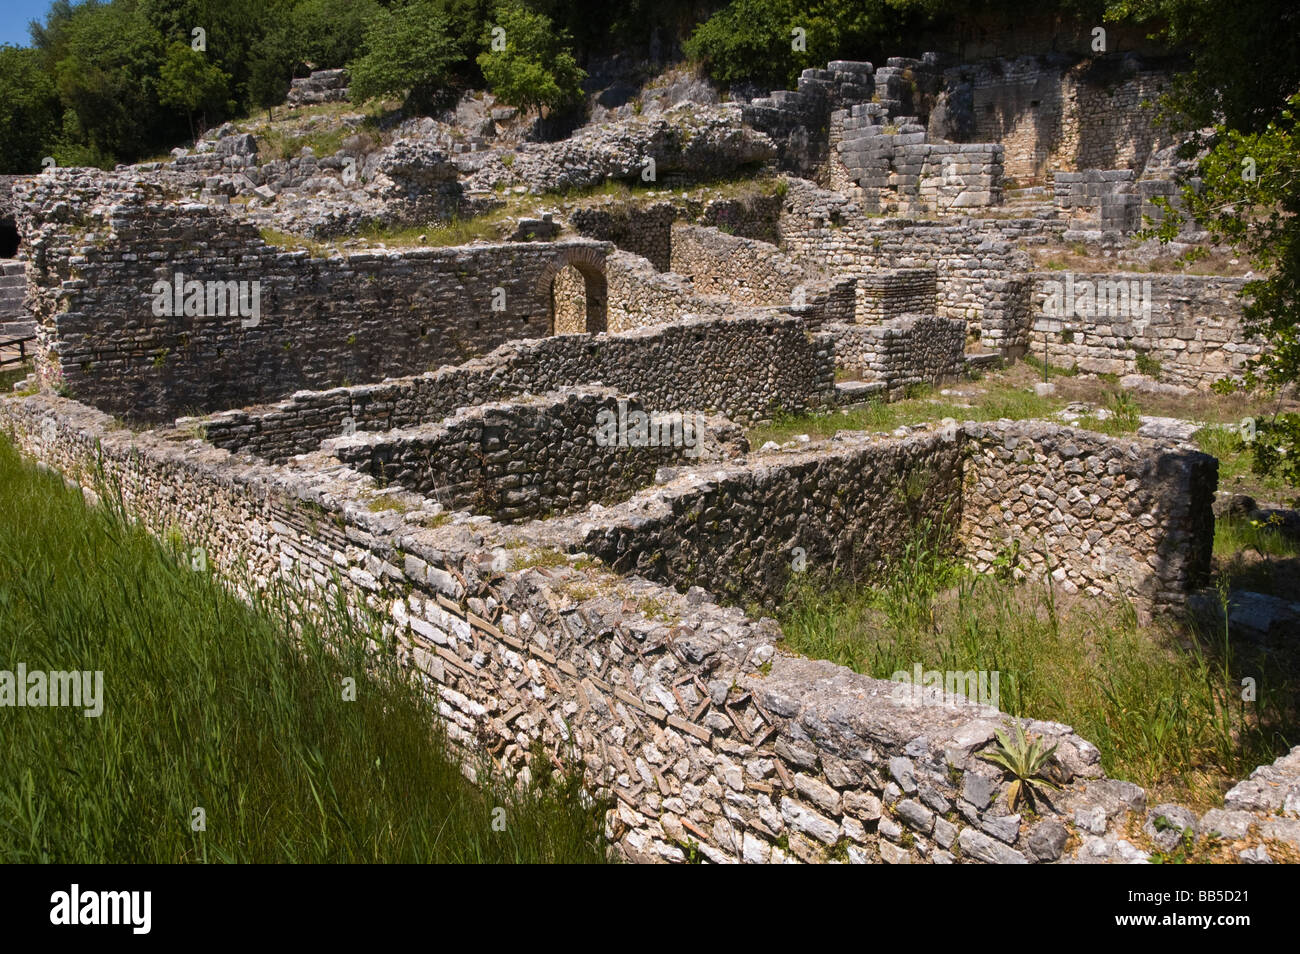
(537, 456)
(902, 352)
(742, 367)
(641, 297)
(705, 738)
(746, 271)
(1105, 516)
(101, 243)
(980, 272)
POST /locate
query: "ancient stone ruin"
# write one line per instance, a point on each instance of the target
(527, 455)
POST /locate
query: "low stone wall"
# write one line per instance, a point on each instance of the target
(746, 271)
(1187, 329)
(742, 367)
(735, 532)
(902, 352)
(1126, 519)
(537, 456)
(1104, 516)
(706, 738)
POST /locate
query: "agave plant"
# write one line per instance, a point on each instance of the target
(1025, 759)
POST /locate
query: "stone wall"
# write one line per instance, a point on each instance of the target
(743, 367)
(640, 297)
(537, 456)
(902, 352)
(897, 168)
(1104, 516)
(746, 271)
(641, 229)
(705, 738)
(892, 293)
(1186, 328)
(1055, 112)
(99, 243)
(733, 531)
(980, 272)
(1111, 199)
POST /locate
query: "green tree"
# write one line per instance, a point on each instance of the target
(409, 51)
(1246, 85)
(187, 81)
(30, 114)
(536, 68)
(106, 67)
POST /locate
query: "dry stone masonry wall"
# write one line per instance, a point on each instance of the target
(1101, 515)
(537, 456)
(741, 367)
(686, 714)
(316, 323)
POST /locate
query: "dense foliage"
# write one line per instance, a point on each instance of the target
(1239, 99)
(120, 80)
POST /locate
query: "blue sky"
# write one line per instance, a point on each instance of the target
(14, 17)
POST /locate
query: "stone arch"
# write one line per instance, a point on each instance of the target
(559, 283)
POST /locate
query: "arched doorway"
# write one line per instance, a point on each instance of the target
(577, 299)
(8, 238)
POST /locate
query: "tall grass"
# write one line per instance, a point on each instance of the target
(210, 705)
(1164, 711)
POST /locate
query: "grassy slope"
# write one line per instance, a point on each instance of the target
(208, 706)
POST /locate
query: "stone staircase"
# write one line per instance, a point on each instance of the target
(14, 321)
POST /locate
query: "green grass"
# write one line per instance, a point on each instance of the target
(1236, 465)
(1165, 716)
(1123, 418)
(876, 415)
(208, 704)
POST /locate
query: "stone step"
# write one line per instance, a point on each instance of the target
(857, 392)
(980, 361)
